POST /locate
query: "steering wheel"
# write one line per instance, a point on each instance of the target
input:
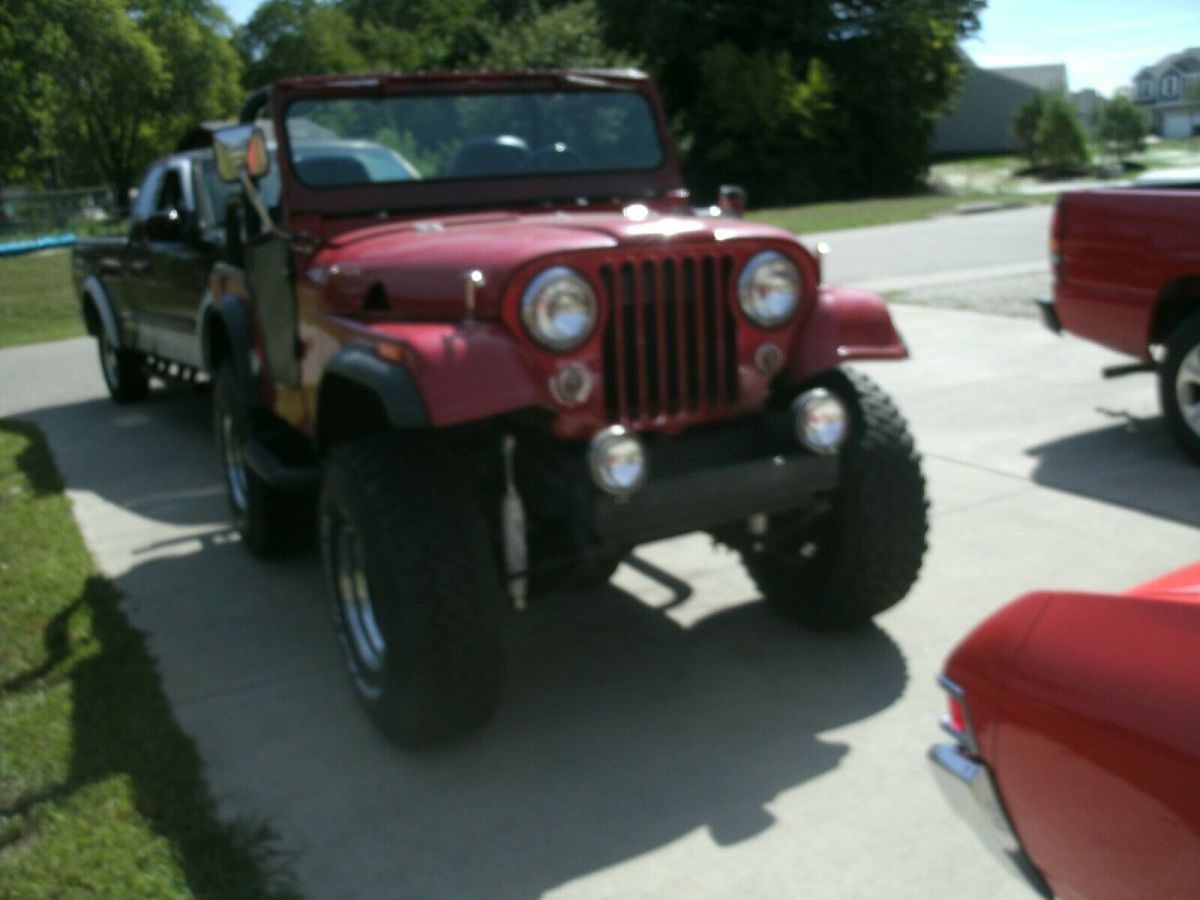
(556, 157)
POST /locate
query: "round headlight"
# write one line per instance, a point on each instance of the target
(618, 462)
(559, 308)
(769, 289)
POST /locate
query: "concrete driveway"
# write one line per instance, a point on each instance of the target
(666, 737)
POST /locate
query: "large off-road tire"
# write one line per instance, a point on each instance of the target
(416, 596)
(271, 522)
(124, 371)
(843, 566)
(1179, 386)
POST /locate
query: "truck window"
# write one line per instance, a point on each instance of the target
(147, 197)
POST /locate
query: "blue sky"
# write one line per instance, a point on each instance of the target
(1102, 42)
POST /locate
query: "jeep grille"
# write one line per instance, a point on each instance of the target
(670, 343)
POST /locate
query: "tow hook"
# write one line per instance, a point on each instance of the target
(512, 526)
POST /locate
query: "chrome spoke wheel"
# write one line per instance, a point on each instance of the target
(235, 463)
(354, 596)
(1187, 389)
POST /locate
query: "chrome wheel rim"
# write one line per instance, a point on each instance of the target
(354, 598)
(108, 360)
(235, 463)
(1187, 389)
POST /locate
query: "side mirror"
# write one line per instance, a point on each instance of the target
(166, 225)
(732, 200)
(243, 147)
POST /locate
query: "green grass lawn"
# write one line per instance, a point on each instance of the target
(101, 793)
(37, 302)
(862, 213)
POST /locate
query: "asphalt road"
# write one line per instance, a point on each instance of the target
(666, 737)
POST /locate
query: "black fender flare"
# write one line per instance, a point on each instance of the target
(231, 313)
(93, 289)
(393, 384)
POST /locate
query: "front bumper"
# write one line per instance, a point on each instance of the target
(713, 477)
(968, 786)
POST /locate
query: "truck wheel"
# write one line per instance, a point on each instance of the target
(845, 565)
(271, 522)
(1179, 386)
(415, 592)
(124, 371)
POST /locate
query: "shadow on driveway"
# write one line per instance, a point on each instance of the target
(1132, 463)
(622, 729)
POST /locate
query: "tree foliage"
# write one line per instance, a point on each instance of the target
(1025, 128)
(1122, 127)
(105, 86)
(795, 99)
(1060, 138)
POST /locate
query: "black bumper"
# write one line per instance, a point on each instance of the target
(699, 481)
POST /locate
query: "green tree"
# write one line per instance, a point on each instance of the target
(885, 69)
(1191, 104)
(297, 37)
(1061, 143)
(102, 87)
(1025, 128)
(1122, 127)
(559, 37)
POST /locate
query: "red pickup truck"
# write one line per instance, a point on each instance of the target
(1127, 275)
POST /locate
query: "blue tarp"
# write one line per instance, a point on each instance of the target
(14, 248)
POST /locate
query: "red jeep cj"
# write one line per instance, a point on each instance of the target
(476, 314)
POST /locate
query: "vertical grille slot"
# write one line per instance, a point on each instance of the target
(670, 345)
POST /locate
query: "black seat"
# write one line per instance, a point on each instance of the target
(331, 171)
(503, 154)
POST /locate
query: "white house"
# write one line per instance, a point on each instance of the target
(1169, 91)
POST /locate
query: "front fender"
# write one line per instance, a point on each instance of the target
(461, 372)
(848, 324)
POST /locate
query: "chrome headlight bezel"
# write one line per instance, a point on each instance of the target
(765, 304)
(571, 328)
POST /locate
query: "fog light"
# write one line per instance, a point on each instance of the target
(618, 461)
(571, 384)
(768, 358)
(822, 420)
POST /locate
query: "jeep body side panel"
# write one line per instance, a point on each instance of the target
(1118, 251)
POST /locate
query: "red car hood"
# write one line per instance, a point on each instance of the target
(420, 265)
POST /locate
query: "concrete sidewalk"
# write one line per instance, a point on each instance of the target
(666, 737)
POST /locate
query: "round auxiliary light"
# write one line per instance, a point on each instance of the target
(618, 462)
(822, 420)
(769, 289)
(571, 384)
(559, 308)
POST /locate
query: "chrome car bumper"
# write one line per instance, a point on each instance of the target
(968, 786)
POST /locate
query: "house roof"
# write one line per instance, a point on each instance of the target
(1185, 61)
(1048, 79)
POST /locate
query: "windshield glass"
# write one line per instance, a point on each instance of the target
(367, 140)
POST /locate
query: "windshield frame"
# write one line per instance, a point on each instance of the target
(540, 188)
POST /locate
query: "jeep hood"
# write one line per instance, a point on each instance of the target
(418, 268)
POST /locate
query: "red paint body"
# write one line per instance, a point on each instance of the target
(438, 231)
(1121, 254)
(1087, 710)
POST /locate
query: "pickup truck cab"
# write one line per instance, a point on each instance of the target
(470, 325)
(143, 294)
(1126, 266)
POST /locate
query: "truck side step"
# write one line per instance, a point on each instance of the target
(275, 472)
